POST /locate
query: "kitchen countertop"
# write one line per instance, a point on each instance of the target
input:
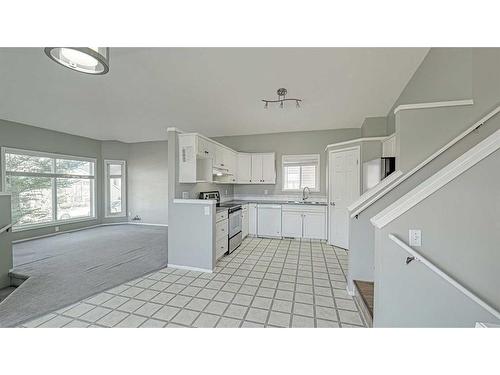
(307, 203)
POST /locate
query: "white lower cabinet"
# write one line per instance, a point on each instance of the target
(291, 224)
(221, 234)
(314, 226)
(304, 222)
(244, 221)
(252, 219)
(269, 220)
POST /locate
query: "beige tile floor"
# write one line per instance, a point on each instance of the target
(264, 283)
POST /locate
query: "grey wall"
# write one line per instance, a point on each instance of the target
(311, 142)
(5, 242)
(148, 181)
(460, 234)
(445, 74)
(374, 127)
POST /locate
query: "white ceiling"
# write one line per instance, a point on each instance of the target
(214, 91)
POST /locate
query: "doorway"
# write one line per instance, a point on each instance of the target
(343, 189)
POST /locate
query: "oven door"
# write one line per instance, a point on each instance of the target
(235, 222)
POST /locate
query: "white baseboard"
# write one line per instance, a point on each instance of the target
(188, 268)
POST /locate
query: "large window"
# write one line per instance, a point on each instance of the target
(300, 171)
(115, 188)
(47, 188)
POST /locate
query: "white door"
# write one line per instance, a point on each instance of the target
(314, 225)
(244, 169)
(268, 169)
(256, 168)
(343, 190)
(252, 219)
(291, 224)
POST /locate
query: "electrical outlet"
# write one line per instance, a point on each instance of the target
(185, 195)
(56, 229)
(207, 210)
(265, 192)
(415, 237)
(226, 191)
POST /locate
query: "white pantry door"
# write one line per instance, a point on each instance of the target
(343, 188)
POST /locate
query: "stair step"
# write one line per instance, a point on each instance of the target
(365, 292)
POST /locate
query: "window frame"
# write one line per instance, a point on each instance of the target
(53, 175)
(317, 189)
(107, 177)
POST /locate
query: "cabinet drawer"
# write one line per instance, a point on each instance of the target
(222, 215)
(221, 230)
(221, 248)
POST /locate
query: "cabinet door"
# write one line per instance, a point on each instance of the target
(268, 168)
(291, 224)
(244, 224)
(252, 219)
(230, 163)
(269, 220)
(205, 148)
(244, 168)
(219, 156)
(315, 225)
(257, 168)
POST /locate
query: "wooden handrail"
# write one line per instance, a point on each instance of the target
(420, 258)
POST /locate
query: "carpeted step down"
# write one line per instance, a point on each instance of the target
(364, 296)
(16, 279)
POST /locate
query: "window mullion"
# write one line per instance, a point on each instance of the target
(54, 192)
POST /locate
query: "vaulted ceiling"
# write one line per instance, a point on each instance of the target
(214, 91)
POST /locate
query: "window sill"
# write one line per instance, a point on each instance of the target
(51, 224)
(299, 191)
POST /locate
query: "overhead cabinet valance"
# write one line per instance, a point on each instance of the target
(204, 160)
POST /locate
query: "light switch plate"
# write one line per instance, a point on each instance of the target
(415, 237)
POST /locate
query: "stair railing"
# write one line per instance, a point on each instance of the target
(414, 255)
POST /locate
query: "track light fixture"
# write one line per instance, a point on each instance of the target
(282, 99)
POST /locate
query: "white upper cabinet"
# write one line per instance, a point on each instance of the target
(263, 168)
(199, 156)
(256, 168)
(268, 168)
(389, 147)
(244, 168)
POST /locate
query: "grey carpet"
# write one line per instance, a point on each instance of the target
(66, 268)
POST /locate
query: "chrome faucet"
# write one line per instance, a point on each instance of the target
(304, 194)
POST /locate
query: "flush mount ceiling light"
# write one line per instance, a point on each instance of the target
(282, 99)
(90, 60)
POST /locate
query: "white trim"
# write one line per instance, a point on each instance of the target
(195, 201)
(2, 194)
(148, 224)
(438, 180)
(408, 174)
(449, 103)
(283, 199)
(107, 177)
(365, 139)
(174, 129)
(420, 258)
(374, 190)
(190, 268)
